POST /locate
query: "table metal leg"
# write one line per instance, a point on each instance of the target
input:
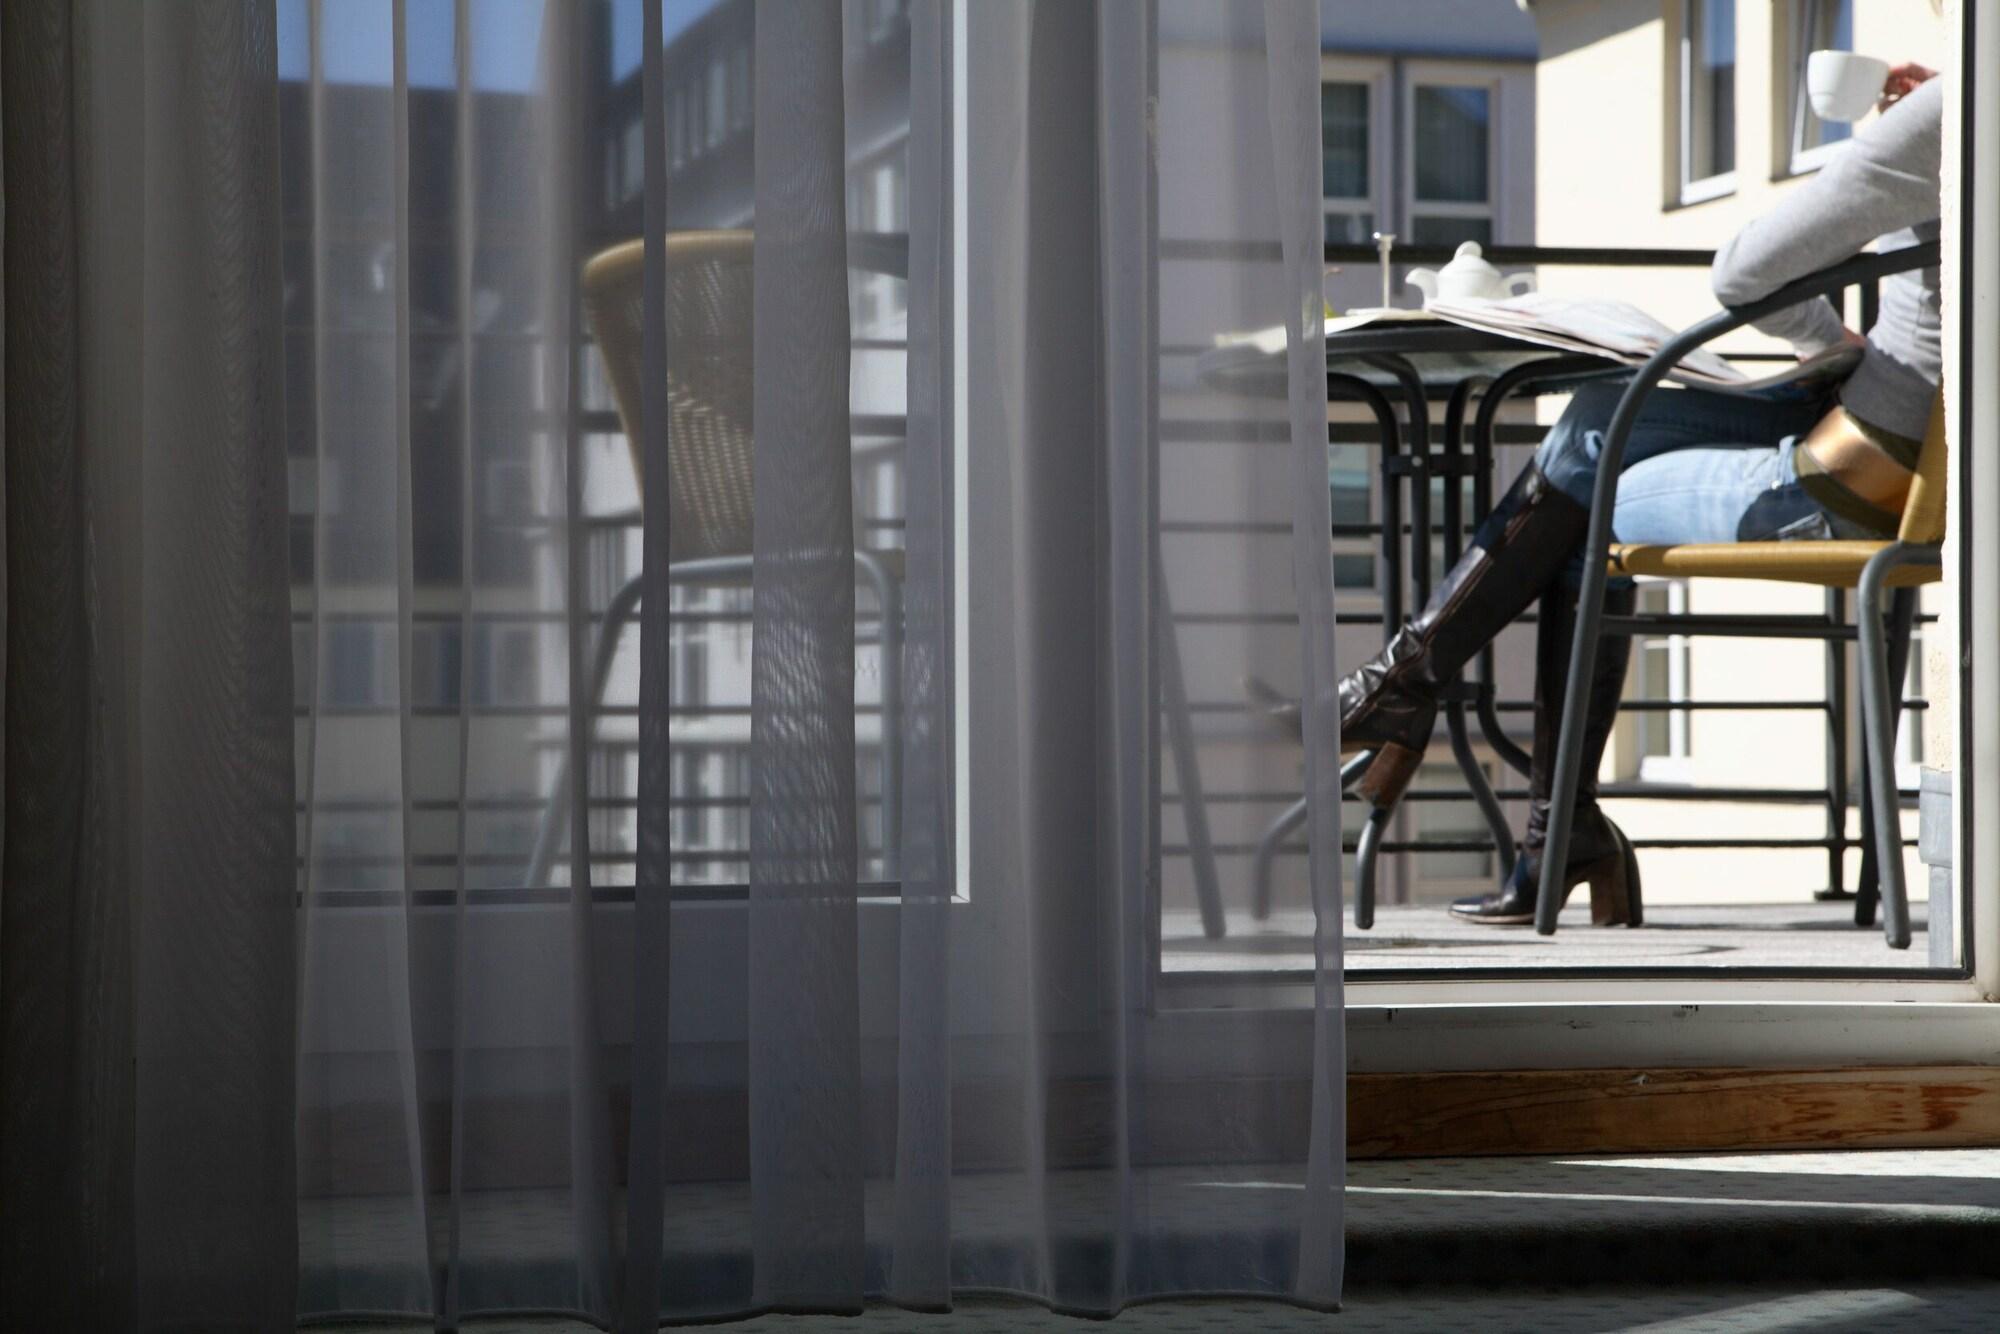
(1416, 465)
(1454, 543)
(1485, 421)
(1267, 852)
(1339, 385)
(1417, 419)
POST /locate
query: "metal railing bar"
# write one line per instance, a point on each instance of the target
(359, 899)
(1467, 845)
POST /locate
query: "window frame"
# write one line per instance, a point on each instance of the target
(1790, 45)
(1375, 76)
(1687, 189)
(1439, 74)
(1677, 765)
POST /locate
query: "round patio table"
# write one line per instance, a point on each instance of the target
(1411, 362)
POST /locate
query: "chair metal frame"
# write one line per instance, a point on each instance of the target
(604, 274)
(881, 570)
(1879, 708)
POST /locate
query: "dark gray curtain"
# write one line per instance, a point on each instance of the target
(146, 927)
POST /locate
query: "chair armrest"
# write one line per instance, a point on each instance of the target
(1860, 269)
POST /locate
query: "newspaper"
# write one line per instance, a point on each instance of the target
(1593, 326)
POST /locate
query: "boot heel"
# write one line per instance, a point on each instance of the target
(1383, 783)
(1614, 888)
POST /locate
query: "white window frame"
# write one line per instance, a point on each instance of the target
(1690, 189)
(1441, 74)
(1910, 723)
(1374, 74)
(1790, 46)
(1677, 765)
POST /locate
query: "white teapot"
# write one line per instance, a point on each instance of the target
(1469, 278)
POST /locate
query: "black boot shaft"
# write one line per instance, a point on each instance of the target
(1520, 549)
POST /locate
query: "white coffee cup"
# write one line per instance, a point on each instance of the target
(1843, 85)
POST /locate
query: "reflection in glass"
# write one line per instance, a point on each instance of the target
(1452, 143)
(1824, 25)
(1449, 230)
(1708, 53)
(1343, 113)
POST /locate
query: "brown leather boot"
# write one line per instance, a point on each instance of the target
(1599, 852)
(1389, 704)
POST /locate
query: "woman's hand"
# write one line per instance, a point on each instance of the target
(1848, 338)
(1902, 80)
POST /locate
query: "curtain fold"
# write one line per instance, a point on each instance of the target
(1291, 33)
(630, 642)
(804, 992)
(147, 922)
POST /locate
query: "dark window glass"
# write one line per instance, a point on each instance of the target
(1343, 116)
(1452, 139)
(1450, 231)
(1710, 53)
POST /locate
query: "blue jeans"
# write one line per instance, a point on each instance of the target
(1700, 466)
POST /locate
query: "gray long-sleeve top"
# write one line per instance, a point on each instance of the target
(1883, 183)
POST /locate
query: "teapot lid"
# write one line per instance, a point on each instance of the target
(1469, 258)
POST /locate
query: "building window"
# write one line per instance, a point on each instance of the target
(878, 200)
(1816, 25)
(1707, 99)
(1351, 479)
(1451, 175)
(718, 102)
(1660, 676)
(1347, 168)
(739, 88)
(697, 119)
(1910, 722)
(884, 19)
(360, 664)
(503, 666)
(633, 145)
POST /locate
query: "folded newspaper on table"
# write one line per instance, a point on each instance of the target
(1592, 326)
(1619, 330)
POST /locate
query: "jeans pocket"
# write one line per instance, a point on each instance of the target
(1812, 527)
(1783, 514)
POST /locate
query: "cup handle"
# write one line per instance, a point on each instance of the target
(1520, 284)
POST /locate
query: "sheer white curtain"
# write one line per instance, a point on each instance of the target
(773, 772)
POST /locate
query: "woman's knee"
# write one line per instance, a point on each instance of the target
(1568, 453)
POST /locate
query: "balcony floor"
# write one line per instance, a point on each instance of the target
(1777, 935)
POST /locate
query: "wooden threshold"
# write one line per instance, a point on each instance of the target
(1667, 1111)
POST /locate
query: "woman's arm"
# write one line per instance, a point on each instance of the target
(1885, 178)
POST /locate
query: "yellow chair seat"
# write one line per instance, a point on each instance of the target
(1834, 563)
